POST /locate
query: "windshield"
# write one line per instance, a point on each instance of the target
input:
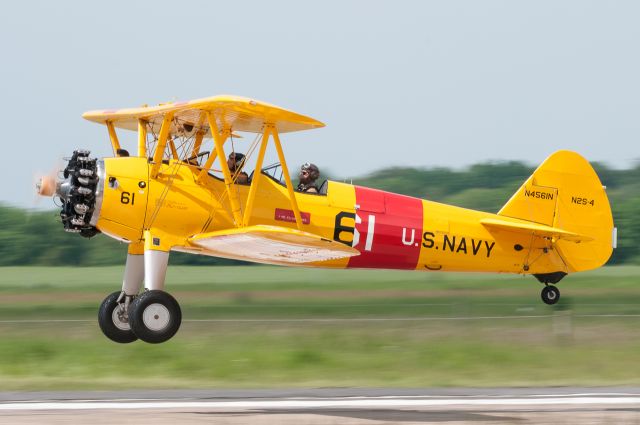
(275, 172)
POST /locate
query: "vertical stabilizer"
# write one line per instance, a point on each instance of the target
(566, 193)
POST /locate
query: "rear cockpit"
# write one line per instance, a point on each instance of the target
(274, 172)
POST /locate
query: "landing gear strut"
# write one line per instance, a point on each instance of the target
(550, 294)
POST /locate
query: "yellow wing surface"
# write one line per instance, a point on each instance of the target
(232, 112)
(271, 244)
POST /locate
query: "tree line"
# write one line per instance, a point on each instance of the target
(36, 237)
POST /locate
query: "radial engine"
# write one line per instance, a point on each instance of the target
(79, 190)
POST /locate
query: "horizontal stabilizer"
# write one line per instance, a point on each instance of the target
(535, 229)
(271, 244)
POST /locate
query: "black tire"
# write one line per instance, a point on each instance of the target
(550, 295)
(155, 316)
(111, 324)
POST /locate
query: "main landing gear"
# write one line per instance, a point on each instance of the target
(152, 316)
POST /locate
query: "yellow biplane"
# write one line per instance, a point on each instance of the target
(178, 193)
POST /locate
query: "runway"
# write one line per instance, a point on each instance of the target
(327, 406)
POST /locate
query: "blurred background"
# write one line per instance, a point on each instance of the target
(455, 102)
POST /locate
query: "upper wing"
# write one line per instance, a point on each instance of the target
(234, 112)
(271, 244)
(536, 229)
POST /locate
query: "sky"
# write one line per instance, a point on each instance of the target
(398, 83)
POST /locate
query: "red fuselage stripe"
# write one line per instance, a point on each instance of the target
(388, 230)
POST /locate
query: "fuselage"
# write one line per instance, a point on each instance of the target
(389, 230)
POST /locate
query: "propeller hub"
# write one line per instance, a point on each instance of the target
(46, 186)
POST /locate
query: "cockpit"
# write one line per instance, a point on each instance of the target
(274, 171)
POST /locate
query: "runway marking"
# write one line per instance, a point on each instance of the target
(353, 403)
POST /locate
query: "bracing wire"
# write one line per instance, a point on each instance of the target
(223, 195)
(185, 145)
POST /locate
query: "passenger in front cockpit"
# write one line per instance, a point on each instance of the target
(235, 163)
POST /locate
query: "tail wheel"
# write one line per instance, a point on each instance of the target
(155, 316)
(113, 320)
(550, 294)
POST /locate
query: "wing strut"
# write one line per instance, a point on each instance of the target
(162, 144)
(199, 135)
(287, 179)
(174, 151)
(256, 178)
(271, 130)
(219, 140)
(197, 143)
(207, 165)
(115, 144)
(142, 138)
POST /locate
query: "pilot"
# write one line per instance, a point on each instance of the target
(309, 173)
(235, 163)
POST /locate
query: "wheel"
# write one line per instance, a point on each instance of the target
(155, 316)
(114, 322)
(550, 294)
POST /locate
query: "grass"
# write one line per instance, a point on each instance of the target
(270, 326)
